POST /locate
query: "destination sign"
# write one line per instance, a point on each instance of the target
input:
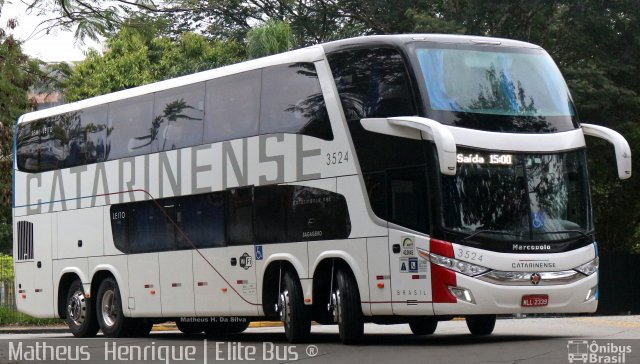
(477, 158)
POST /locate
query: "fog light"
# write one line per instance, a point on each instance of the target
(591, 293)
(462, 294)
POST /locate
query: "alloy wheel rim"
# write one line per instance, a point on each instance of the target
(77, 307)
(109, 314)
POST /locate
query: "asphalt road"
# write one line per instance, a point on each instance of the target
(612, 339)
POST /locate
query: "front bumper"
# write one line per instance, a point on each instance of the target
(506, 299)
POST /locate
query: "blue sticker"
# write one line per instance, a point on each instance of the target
(537, 220)
(413, 265)
(258, 252)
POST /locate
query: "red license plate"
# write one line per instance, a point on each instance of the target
(535, 300)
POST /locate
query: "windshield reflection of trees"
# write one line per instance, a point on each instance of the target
(538, 195)
(504, 103)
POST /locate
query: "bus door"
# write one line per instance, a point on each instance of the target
(240, 253)
(147, 235)
(176, 263)
(205, 223)
(410, 275)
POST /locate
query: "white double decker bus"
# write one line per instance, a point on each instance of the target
(386, 179)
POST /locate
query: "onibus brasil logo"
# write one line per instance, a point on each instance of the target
(584, 352)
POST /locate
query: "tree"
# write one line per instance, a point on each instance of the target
(594, 42)
(17, 74)
(135, 58)
(271, 38)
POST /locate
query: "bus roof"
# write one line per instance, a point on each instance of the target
(400, 39)
(308, 54)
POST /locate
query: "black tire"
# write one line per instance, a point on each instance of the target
(140, 327)
(81, 317)
(224, 328)
(109, 311)
(481, 324)
(293, 313)
(347, 311)
(423, 325)
(190, 328)
(238, 327)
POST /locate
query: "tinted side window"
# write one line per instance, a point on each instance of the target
(150, 230)
(131, 130)
(292, 102)
(28, 146)
(271, 204)
(372, 83)
(232, 107)
(120, 217)
(316, 214)
(201, 218)
(93, 133)
(407, 200)
(178, 117)
(240, 216)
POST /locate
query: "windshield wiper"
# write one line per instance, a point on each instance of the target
(478, 232)
(564, 232)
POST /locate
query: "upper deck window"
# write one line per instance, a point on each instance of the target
(496, 89)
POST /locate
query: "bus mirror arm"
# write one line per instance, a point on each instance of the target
(415, 127)
(620, 144)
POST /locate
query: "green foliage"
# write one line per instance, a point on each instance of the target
(6, 268)
(271, 38)
(135, 58)
(9, 316)
(17, 74)
(595, 43)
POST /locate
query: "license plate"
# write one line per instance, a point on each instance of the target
(535, 300)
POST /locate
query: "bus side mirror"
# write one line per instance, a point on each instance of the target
(623, 152)
(415, 127)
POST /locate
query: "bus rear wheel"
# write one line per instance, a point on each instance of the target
(81, 318)
(293, 313)
(481, 324)
(423, 325)
(111, 318)
(345, 307)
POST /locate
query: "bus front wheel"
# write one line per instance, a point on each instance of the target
(81, 318)
(345, 307)
(423, 325)
(293, 313)
(481, 324)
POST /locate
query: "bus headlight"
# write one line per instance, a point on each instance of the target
(589, 268)
(459, 266)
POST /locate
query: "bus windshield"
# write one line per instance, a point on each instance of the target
(517, 82)
(492, 88)
(518, 196)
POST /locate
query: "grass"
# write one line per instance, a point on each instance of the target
(9, 316)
